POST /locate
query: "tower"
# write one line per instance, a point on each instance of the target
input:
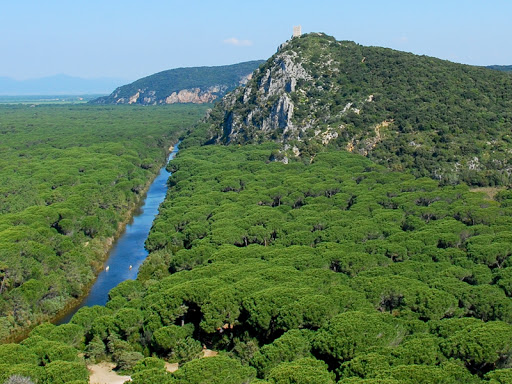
(297, 31)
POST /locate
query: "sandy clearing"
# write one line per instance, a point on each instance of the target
(209, 353)
(102, 374)
(171, 367)
(490, 192)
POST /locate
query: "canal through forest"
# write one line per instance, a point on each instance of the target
(127, 253)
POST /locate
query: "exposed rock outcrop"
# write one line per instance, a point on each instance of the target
(270, 91)
(265, 107)
(446, 120)
(196, 95)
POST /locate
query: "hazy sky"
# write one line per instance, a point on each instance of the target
(131, 39)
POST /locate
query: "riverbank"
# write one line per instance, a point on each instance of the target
(104, 247)
(113, 271)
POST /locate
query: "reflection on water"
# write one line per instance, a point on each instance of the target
(128, 252)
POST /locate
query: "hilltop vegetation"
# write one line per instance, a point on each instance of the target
(448, 121)
(68, 178)
(504, 68)
(200, 85)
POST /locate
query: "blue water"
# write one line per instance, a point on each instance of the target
(129, 249)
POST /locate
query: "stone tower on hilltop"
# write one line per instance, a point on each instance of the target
(297, 31)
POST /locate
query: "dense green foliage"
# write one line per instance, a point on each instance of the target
(338, 270)
(328, 269)
(448, 121)
(68, 177)
(504, 68)
(161, 85)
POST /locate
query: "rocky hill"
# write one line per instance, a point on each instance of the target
(183, 85)
(448, 121)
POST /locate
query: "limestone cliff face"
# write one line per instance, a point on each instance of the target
(279, 103)
(290, 99)
(194, 95)
(269, 92)
(402, 110)
(191, 96)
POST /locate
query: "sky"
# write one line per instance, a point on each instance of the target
(132, 39)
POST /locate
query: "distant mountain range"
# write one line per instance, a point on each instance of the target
(183, 85)
(58, 85)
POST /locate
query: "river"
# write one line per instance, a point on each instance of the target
(128, 252)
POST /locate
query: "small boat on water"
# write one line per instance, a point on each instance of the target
(131, 267)
(106, 269)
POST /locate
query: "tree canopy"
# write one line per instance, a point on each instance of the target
(69, 177)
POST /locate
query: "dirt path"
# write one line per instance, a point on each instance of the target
(102, 374)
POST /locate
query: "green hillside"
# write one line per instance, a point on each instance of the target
(155, 89)
(504, 68)
(439, 119)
